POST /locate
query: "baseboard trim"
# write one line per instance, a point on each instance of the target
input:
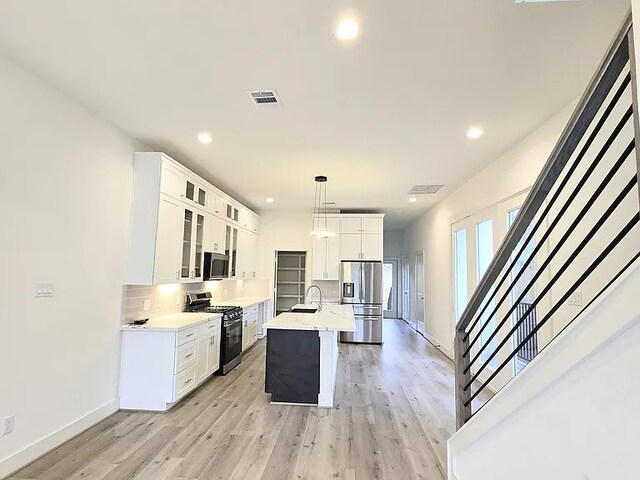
(37, 449)
(433, 341)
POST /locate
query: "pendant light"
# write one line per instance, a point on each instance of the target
(320, 224)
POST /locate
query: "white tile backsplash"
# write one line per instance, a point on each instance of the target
(166, 299)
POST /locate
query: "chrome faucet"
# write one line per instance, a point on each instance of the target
(319, 290)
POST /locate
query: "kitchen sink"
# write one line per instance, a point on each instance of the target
(304, 310)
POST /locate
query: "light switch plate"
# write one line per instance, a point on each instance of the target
(146, 304)
(43, 289)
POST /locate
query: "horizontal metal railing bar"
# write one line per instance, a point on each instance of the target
(598, 225)
(589, 104)
(599, 259)
(603, 151)
(599, 294)
(558, 274)
(585, 209)
(605, 116)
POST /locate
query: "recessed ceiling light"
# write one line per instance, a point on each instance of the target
(348, 29)
(268, 200)
(413, 200)
(205, 137)
(475, 133)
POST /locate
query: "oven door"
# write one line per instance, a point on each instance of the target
(231, 340)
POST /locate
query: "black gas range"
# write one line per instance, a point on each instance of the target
(231, 338)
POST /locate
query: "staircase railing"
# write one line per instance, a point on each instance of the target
(575, 234)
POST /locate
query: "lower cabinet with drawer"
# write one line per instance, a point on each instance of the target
(159, 367)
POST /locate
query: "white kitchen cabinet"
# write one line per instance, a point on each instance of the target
(244, 218)
(372, 247)
(362, 224)
(265, 313)
(159, 367)
(365, 246)
(372, 224)
(192, 245)
(172, 179)
(351, 246)
(208, 350)
(166, 267)
(250, 325)
(351, 225)
(217, 204)
(214, 234)
(326, 253)
(246, 266)
(255, 223)
(176, 217)
(361, 237)
(195, 193)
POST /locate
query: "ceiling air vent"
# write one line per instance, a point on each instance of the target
(265, 98)
(425, 189)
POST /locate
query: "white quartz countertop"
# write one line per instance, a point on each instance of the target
(173, 322)
(243, 302)
(330, 318)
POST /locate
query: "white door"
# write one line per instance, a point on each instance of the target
(419, 325)
(406, 310)
(333, 250)
(372, 248)
(351, 244)
(390, 288)
(169, 241)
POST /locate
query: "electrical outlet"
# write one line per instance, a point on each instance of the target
(43, 289)
(225, 293)
(8, 424)
(146, 305)
(575, 299)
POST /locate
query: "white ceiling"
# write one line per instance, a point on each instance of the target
(376, 116)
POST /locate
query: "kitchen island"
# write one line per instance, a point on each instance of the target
(302, 354)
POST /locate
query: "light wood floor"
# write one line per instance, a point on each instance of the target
(395, 413)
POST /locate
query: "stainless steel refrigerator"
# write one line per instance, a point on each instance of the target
(361, 286)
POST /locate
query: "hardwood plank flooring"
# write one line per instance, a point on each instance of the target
(395, 411)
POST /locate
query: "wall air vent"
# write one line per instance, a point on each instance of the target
(265, 98)
(425, 189)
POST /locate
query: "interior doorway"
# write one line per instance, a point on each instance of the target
(419, 320)
(390, 288)
(406, 304)
(289, 284)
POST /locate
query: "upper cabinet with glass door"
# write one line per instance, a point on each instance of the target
(174, 222)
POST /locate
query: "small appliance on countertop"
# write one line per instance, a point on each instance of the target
(231, 336)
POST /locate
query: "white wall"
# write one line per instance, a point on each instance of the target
(289, 230)
(393, 243)
(511, 173)
(572, 414)
(65, 192)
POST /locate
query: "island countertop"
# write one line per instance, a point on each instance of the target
(330, 318)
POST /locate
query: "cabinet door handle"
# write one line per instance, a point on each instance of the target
(189, 355)
(188, 381)
(189, 335)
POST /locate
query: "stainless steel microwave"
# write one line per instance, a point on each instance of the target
(216, 266)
